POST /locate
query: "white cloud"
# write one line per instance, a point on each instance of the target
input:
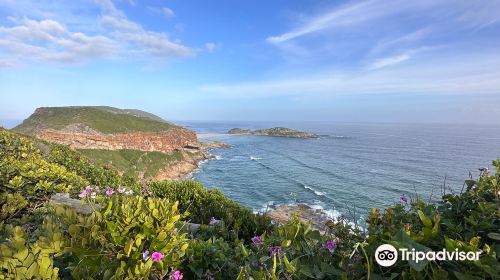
(50, 40)
(167, 12)
(6, 63)
(164, 11)
(119, 37)
(211, 46)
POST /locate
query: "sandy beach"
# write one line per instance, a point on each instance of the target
(210, 135)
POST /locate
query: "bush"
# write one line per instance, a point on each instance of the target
(202, 204)
(27, 180)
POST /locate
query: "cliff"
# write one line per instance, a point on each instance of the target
(166, 142)
(130, 141)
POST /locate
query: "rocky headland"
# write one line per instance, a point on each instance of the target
(110, 129)
(275, 131)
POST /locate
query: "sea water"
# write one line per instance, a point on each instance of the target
(349, 167)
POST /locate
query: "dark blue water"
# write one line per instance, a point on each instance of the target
(361, 165)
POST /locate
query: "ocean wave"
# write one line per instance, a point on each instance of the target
(318, 193)
(218, 157)
(255, 158)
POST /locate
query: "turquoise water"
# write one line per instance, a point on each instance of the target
(350, 165)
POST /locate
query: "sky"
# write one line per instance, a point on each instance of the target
(420, 61)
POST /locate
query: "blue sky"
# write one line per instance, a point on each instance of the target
(352, 61)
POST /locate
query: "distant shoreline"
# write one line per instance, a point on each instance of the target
(210, 135)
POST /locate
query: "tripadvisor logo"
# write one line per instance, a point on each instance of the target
(387, 255)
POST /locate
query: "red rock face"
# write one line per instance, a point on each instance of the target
(144, 141)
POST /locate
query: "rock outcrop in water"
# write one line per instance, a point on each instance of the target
(275, 131)
(283, 213)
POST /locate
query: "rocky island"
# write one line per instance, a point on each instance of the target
(275, 131)
(129, 141)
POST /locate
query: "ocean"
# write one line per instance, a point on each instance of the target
(351, 166)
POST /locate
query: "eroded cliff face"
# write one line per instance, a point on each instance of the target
(166, 142)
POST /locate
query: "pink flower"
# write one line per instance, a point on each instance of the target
(403, 198)
(88, 188)
(257, 240)
(176, 275)
(213, 221)
(83, 194)
(109, 191)
(157, 256)
(331, 246)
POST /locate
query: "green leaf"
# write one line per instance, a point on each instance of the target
(45, 263)
(425, 220)
(494, 236)
(289, 267)
(314, 235)
(128, 247)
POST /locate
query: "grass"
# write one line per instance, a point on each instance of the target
(98, 118)
(133, 162)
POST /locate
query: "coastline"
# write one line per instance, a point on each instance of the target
(192, 159)
(210, 135)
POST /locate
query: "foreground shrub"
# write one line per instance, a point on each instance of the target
(27, 180)
(203, 204)
(130, 236)
(469, 221)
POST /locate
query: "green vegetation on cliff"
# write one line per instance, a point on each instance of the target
(133, 162)
(139, 231)
(101, 119)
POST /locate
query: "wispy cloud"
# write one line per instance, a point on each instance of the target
(52, 40)
(346, 15)
(210, 46)
(164, 11)
(388, 61)
(471, 75)
(471, 13)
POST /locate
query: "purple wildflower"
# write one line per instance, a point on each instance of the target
(403, 198)
(109, 191)
(213, 221)
(176, 275)
(257, 240)
(331, 246)
(157, 256)
(275, 250)
(145, 255)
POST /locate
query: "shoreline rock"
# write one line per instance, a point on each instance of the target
(283, 213)
(193, 156)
